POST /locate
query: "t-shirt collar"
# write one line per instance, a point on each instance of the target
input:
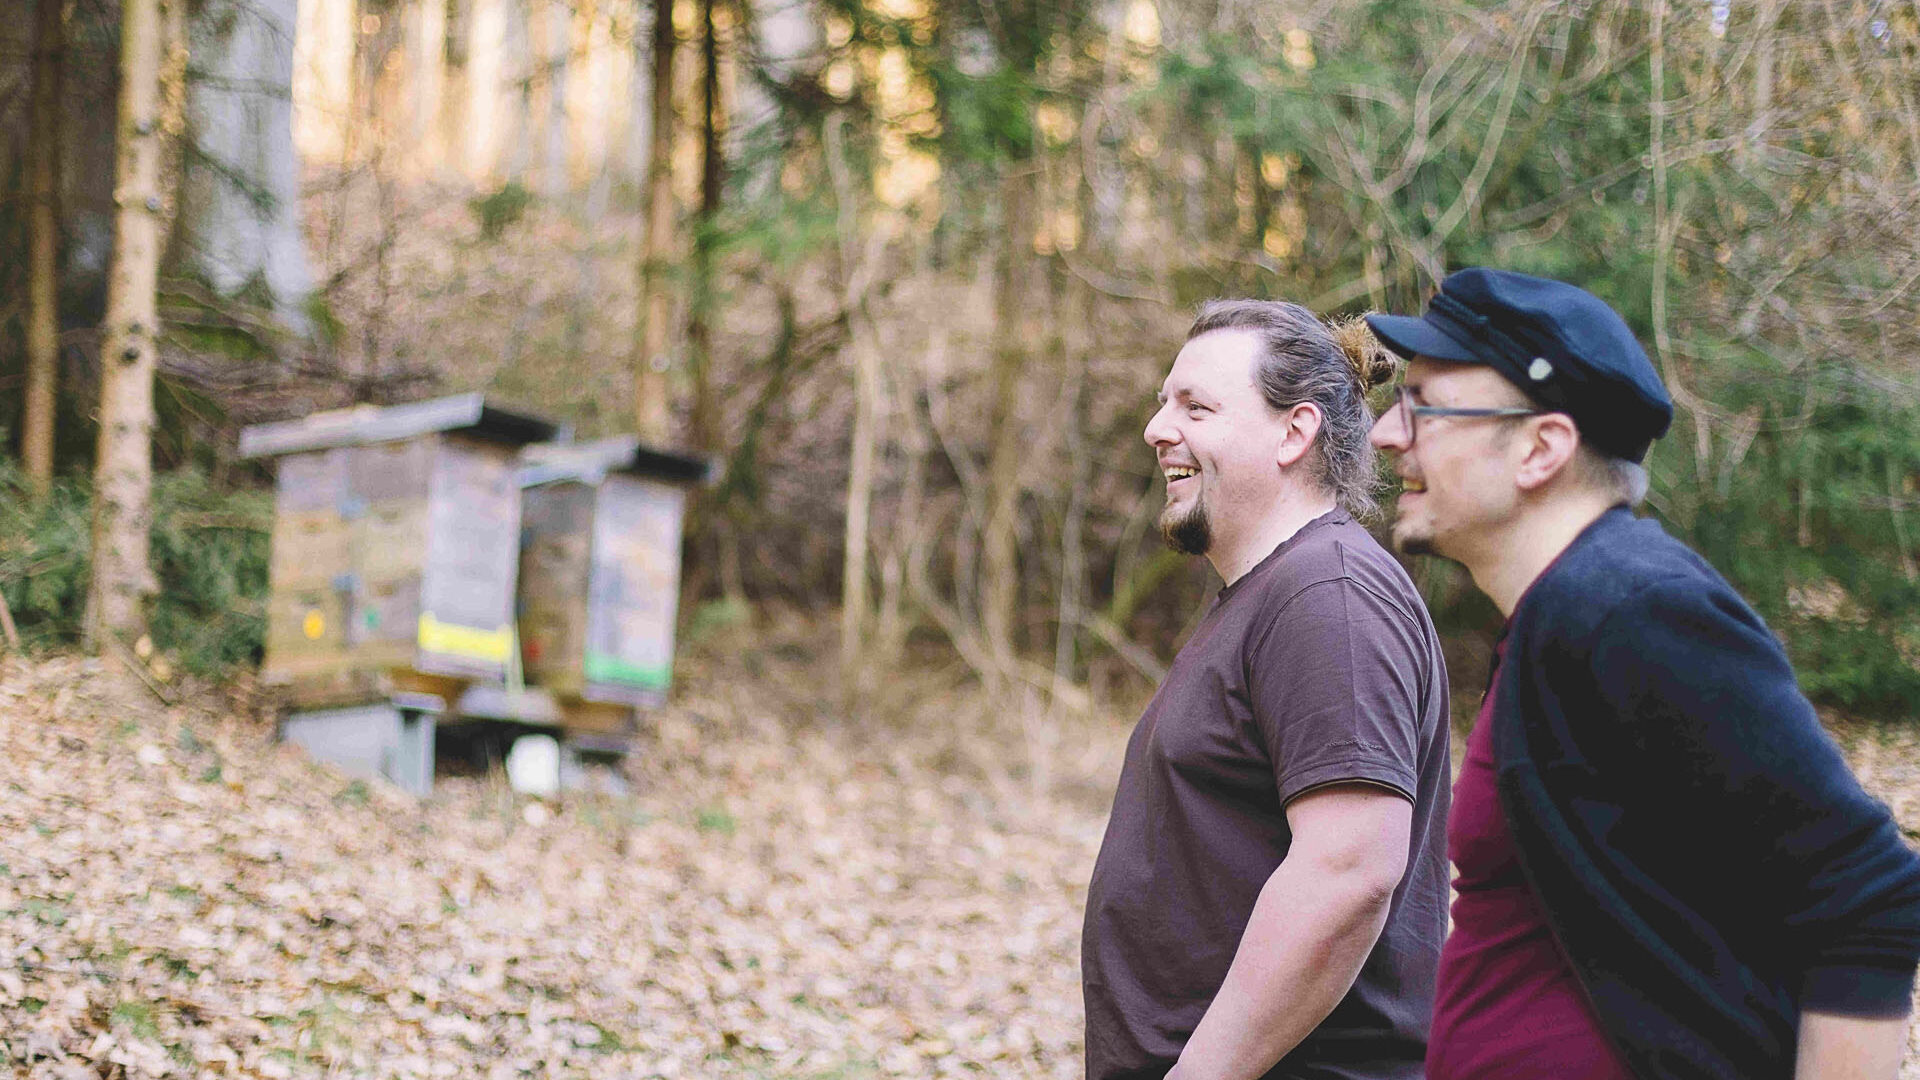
(1331, 517)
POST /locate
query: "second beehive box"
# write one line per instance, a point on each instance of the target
(599, 580)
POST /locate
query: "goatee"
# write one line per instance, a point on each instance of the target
(1188, 533)
(1411, 543)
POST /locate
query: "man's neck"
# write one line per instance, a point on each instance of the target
(1516, 556)
(1232, 557)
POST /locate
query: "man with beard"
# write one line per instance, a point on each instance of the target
(1665, 868)
(1270, 897)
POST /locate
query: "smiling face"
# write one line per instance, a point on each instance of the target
(1216, 441)
(1458, 476)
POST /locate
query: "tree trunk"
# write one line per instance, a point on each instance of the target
(377, 124)
(1073, 562)
(455, 87)
(650, 359)
(559, 47)
(123, 473)
(705, 423)
(856, 273)
(1076, 348)
(890, 631)
(639, 111)
(427, 31)
(854, 605)
(513, 145)
(43, 314)
(538, 74)
(786, 41)
(323, 81)
(999, 558)
(238, 227)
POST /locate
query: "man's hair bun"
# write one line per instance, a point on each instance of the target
(1373, 363)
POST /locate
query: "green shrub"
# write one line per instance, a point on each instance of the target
(500, 208)
(1838, 594)
(43, 557)
(209, 553)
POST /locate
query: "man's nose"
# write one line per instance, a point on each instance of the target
(1390, 431)
(1159, 431)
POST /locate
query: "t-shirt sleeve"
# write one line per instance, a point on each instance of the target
(1335, 681)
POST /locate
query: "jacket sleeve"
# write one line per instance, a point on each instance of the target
(1711, 710)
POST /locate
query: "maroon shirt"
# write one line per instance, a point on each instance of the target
(1317, 666)
(1508, 1006)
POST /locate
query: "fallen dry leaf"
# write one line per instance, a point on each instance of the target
(779, 897)
(787, 892)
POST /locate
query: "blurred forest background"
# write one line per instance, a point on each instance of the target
(911, 270)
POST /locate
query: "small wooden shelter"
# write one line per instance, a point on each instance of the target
(395, 545)
(599, 580)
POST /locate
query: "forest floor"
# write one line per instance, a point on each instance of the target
(895, 893)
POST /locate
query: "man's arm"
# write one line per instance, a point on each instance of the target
(1702, 692)
(1850, 1047)
(1317, 918)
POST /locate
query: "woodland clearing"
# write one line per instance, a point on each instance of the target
(785, 892)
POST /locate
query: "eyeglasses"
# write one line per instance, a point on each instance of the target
(1404, 402)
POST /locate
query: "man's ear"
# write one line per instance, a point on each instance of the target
(1547, 451)
(1296, 438)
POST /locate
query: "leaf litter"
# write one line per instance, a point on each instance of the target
(778, 895)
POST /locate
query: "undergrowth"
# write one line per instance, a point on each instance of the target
(209, 554)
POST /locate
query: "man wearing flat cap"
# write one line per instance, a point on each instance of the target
(1664, 868)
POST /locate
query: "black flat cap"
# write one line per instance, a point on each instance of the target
(1561, 345)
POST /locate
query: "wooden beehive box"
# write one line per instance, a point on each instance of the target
(395, 543)
(600, 570)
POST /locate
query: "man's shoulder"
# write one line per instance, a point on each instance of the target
(1341, 547)
(1620, 564)
(1336, 552)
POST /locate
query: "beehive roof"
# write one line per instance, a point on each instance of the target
(590, 462)
(468, 414)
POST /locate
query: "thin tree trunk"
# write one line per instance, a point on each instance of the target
(1000, 569)
(856, 272)
(378, 111)
(537, 136)
(427, 79)
(1073, 561)
(704, 422)
(702, 419)
(43, 315)
(513, 145)
(890, 633)
(650, 360)
(123, 474)
(1075, 323)
(1900, 543)
(854, 605)
(559, 42)
(455, 49)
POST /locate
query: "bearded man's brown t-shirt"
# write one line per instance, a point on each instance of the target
(1318, 666)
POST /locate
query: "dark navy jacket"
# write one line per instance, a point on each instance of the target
(1707, 861)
